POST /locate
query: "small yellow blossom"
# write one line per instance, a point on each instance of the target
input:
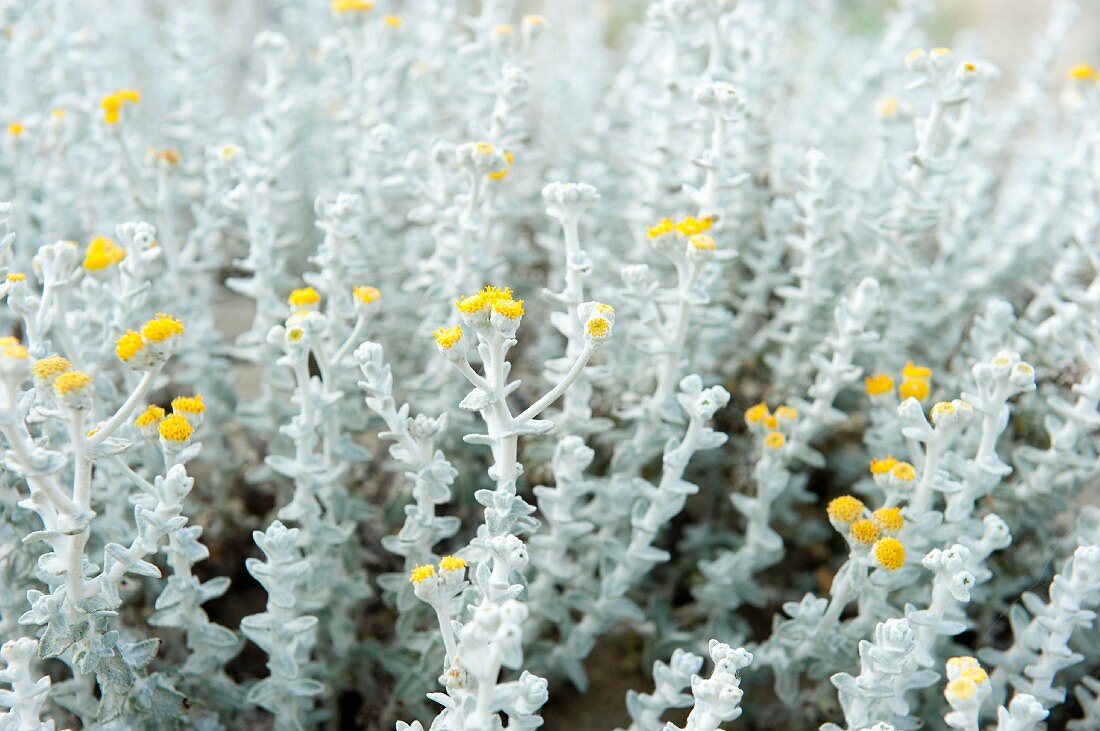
(914, 55)
(915, 371)
(17, 277)
(664, 226)
(939, 52)
(1081, 72)
(129, 345)
(845, 509)
(112, 104)
(975, 675)
(956, 665)
(48, 368)
(188, 404)
(702, 242)
(960, 689)
(366, 294)
(786, 413)
(878, 384)
(882, 466)
(603, 309)
(890, 553)
(512, 309)
(691, 226)
(484, 148)
(152, 415)
(771, 422)
(904, 472)
(351, 6)
(15, 129)
(421, 573)
(503, 30)
(392, 21)
(161, 328)
(597, 327)
(774, 440)
(175, 428)
(914, 388)
(509, 158)
(451, 563)
(863, 531)
(303, 297)
(71, 381)
(18, 352)
(887, 107)
(888, 520)
(756, 414)
(101, 253)
(447, 337)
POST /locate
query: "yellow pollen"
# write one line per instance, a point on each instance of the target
(882, 466)
(943, 408)
(188, 404)
(887, 107)
(47, 368)
(603, 309)
(915, 371)
(975, 675)
(597, 327)
(112, 104)
(18, 352)
(888, 520)
(421, 573)
(295, 334)
(970, 67)
(15, 129)
(451, 563)
(961, 663)
(175, 428)
(152, 415)
(303, 297)
(904, 471)
(447, 337)
(864, 531)
(58, 113)
(509, 158)
(71, 381)
(17, 277)
(878, 384)
(691, 226)
(366, 294)
(664, 226)
(129, 345)
(512, 309)
(8, 340)
(756, 414)
(914, 388)
(960, 689)
(484, 148)
(771, 422)
(101, 253)
(890, 553)
(392, 21)
(774, 440)
(536, 20)
(845, 509)
(702, 242)
(161, 328)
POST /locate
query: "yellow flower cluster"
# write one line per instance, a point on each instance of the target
(900, 471)
(150, 417)
(341, 7)
(447, 564)
(71, 381)
(188, 405)
(112, 104)
(760, 417)
(304, 298)
(1083, 72)
(916, 382)
(50, 368)
(101, 253)
(490, 300)
(447, 337)
(689, 227)
(366, 294)
(175, 428)
(848, 514)
(964, 676)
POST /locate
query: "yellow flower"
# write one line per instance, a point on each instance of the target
(691, 226)
(161, 328)
(878, 384)
(771, 422)
(512, 309)
(366, 294)
(888, 520)
(915, 371)
(48, 368)
(501, 174)
(175, 428)
(975, 675)
(447, 337)
(597, 327)
(392, 21)
(483, 300)
(786, 413)
(864, 531)
(188, 404)
(702, 242)
(351, 6)
(914, 388)
(904, 472)
(756, 414)
(887, 107)
(845, 509)
(15, 129)
(890, 553)
(664, 226)
(774, 440)
(960, 690)
(18, 352)
(152, 415)
(421, 573)
(17, 277)
(129, 345)
(71, 381)
(882, 466)
(303, 297)
(1081, 72)
(484, 148)
(112, 104)
(101, 253)
(451, 563)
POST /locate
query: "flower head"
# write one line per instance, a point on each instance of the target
(71, 381)
(451, 563)
(882, 466)
(1081, 72)
(863, 531)
(112, 104)
(188, 405)
(878, 384)
(888, 520)
(129, 345)
(757, 413)
(845, 509)
(447, 337)
(150, 417)
(101, 253)
(597, 327)
(341, 7)
(365, 294)
(890, 553)
(887, 107)
(175, 429)
(421, 573)
(304, 298)
(903, 472)
(161, 328)
(774, 440)
(47, 369)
